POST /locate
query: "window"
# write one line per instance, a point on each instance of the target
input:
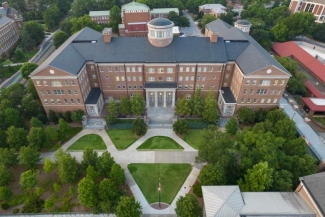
(202, 86)
(122, 78)
(203, 78)
(108, 86)
(204, 69)
(58, 101)
(140, 86)
(45, 83)
(185, 86)
(255, 100)
(275, 100)
(94, 76)
(180, 78)
(57, 83)
(169, 70)
(116, 69)
(192, 78)
(42, 92)
(242, 100)
(92, 67)
(191, 86)
(45, 101)
(134, 78)
(140, 78)
(272, 92)
(262, 100)
(179, 86)
(48, 92)
(107, 77)
(227, 76)
(278, 92)
(100, 69)
(228, 67)
(251, 91)
(268, 100)
(160, 79)
(133, 69)
(199, 69)
(135, 87)
(169, 78)
(152, 33)
(38, 83)
(58, 92)
(214, 77)
(181, 69)
(75, 92)
(71, 100)
(249, 100)
(261, 91)
(128, 78)
(123, 86)
(72, 82)
(160, 70)
(139, 69)
(187, 69)
(151, 70)
(121, 69)
(248, 82)
(254, 82)
(245, 91)
(127, 69)
(78, 101)
(197, 78)
(265, 82)
(186, 78)
(110, 69)
(117, 78)
(219, 69)
(69, 92)
(212, 85)
(151, 78)
(275, 82)
(193, 69)
(160, 34)
(210, 69)
(118, 86)
(188, 96)
(282, 82)
(130, 86)
(52, 101)
(66, 82)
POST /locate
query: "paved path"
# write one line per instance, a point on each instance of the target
(193, 30)
(131, 155)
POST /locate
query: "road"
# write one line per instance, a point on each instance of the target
(193, 30)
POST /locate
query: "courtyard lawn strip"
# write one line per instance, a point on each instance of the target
(193, 138)
(91, 140)
(122, 139)
(172, 177)
(158, 143)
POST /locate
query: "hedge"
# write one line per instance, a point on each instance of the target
(122, 124)
(196, 124)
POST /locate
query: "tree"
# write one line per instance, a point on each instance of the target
(29, 157)
(8, 157)
(319, 33)
(64, 128)
(89, 158)
(13, 118)
(207, 18)
(125, 106)
(51, 16)
(196, 103)
(188, 206)
(289, 64)
(282, 181)
(53, 117)
(5, 193)
(28, 179)
(42, 118)
(19, 54)
(87, 192)
(67, 117)
(111, 117)
(286, 129)
(180, 127)
(34, 122)
(117, 175)
(36, 137)
(5, 175)
(227, 17)
(13, 94)
(82, 22)
(139, 127)
(212, 174)
(296, 86)
(115, 18)
(183, 106)
(263, 37)
(275, 116)
(173, 16)
(3, 139)
(77, 115)
(66, 26)
(16, 137)
(137, 104)
(48, 165)
(92, 173)
(26, 40)
(128, 207)
(210, 112)
(51, 134)
(35, 31)
(27, 68)
(184, 21)
(104, 164)
(259, 178)
(68, 167)
(246, 115)
(108, 195)
(260, 115)
(59, 38)
(275, 14)
(232, 126)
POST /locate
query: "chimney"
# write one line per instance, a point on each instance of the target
(107, 35)
(214, 37)
(5, 5)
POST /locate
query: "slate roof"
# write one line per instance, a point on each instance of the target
(315, 185)
(160, 21)
(163, 10)
(160, 85)
(4, 19)
(218, 26)
(227, 95)
(243, 22)
(232, 45)
(93, 96)
(134, 6)
(98, 13)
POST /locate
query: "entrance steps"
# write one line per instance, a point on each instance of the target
(95, 123)
(160, 126)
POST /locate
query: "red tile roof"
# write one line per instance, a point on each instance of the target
(308, 61)
(314, 90)
(312, 106)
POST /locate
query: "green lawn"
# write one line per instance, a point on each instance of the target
(91, 140)
(74, 131)
(159, 142)
(122, 139)
(28, 55)
(193, 138)
(172, 177)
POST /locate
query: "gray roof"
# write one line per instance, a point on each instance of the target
(163, 10)
(235, 48)
(160, 21)
(134, 6)
(243, 22)
(315, 185)
(88, 34)
(98, 13)
(218, 26)
(232, 35)
(93, 96)
(227, 95)
(160, 85)
(4, 19)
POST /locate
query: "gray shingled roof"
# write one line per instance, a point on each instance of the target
(235, 48)
(227, 95)
(315, 185)
(160, 21)
(218, 26)
(93, 96)
(88, 34)
(232, 34)
(160, 85)
(4, 19)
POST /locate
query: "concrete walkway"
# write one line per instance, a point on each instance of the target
(131, 155)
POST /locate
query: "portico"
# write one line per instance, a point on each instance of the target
(160, 94)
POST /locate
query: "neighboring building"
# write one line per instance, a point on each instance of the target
(100, 17)
(243, 25)
(161, 68)
(317, 7)
(311, 188)
(10, 20)
(214, 9)
(221, 201)
(162, 12)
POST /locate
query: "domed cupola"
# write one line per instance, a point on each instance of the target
(160, 32)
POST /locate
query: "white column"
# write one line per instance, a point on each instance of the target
(147, 98)
(165, 99)
(156, 99)
(173, 99)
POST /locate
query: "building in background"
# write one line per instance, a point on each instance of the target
(243, 25)
(10, 22)
(214, 9)
(162, 12)
(317, 7)
(99, 17)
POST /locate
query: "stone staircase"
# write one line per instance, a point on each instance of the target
(95, 123)
(160, 117)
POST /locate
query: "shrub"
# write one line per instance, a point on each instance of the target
(53, 117)
(5, 206)
(197, 190)
(67, 117)
(42, 118)
(139, 127)
(196, 124)
(77, 115)
(246, 115)
(180, 127)
(33, 204)
(122, 124)
(5, 193)
(15, 211)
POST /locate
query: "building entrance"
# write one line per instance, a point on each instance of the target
(160, 98)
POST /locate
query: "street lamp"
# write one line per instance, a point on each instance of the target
(159, 189)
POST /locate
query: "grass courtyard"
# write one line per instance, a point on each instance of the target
(122, 139)
(158, 143)
(193, 138)
(172, 177)
(91, 140)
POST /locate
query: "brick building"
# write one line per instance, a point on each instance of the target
(10, 21)
(317, 7)
(213, 9)
(99, 17)
(93, 66)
